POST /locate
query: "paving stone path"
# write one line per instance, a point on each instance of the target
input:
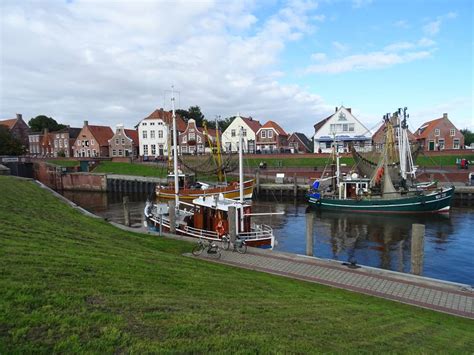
(441, 296)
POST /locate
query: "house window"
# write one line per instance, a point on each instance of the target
(456, 143)
(144, 134)
(123, 141)
(185, 140)
(145, 149)
(143, 123)
(55, 143)
(160, 134)
(60, 143)
(452, 132)
(232, 133)
(120, 152)
(78, 142)
(114, 152)
(441, 144)
(244, 133)
(116, 141)
(152, 134)
(65, 143)
(92, 142)
(263, 134)
(153, 149)
(437, 132)
(270, 133)
(199, 139)
(152, 123)
(88, 152)
(192, 136)
(351, 127)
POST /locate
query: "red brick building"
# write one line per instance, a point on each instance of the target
(18, 128)
(378, 138)
(271, 138)
(93, 141)
(439, 134)
(192, 140)
(299, 143)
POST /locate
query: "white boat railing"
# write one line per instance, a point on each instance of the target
(261, 231)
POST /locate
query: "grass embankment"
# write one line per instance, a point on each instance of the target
(293, 162)
(130, 169)
(72, 283)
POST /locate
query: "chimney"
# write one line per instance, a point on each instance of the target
(349, 109)
(161, 113)
(445, 115)
(86, 123)
(335, 110)
(18, 116)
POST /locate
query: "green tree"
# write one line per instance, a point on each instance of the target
(9, 145)
(39, 123)
(468, 136)
(195, 113)
(184, 114)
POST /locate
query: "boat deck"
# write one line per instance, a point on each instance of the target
(447, 297)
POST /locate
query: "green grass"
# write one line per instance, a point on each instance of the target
(64, 163)
(71, 283)
(441, 160)
(292, 162)
(130, 169)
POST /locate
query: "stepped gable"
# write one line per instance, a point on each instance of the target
(167, 117)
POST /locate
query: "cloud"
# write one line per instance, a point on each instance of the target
(432, 28)
(339, 46)
(318, 56)
(395, 47)
(360, 3)
(112, 62)
(401, 24)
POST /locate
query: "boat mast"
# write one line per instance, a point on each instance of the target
(175, 151)
(241, 165)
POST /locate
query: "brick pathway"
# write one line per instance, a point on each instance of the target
(441, 296)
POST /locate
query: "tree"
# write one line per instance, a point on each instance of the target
(39, 123)
(468, 136)
(9, 145)
(183, 113)
(195, 113)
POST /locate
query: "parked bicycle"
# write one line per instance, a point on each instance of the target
(239, 244)
(211, 248)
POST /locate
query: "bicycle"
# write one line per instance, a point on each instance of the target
(209, 246)
(239, 244)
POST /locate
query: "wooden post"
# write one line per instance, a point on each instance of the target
(309, 233)
(126, 211)
(232, 216)
(417, 248)
(172, 215)
(295, 186)
(257, 181)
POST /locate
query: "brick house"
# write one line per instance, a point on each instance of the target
(124, 143)
(93, 141)
(18, 128)
(192, 140)
(378, 138)
(34, 142)
(271, 138)
(299, 143)
(439, 134)
(155, 133)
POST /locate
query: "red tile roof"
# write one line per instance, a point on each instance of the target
(167, 117)
(133, 134)
(426, 128)
(276, 127)
(9, 123)
(102, 134)
(253, 124)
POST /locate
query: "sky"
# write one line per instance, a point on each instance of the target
(115, 62)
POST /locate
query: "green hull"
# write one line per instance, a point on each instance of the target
(428, 202)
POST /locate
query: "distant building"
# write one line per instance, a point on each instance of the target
(299, 143)
(192, 140)
(230, 137)
(343, 127)
(271, 138)
(155, 133)
(378, 138)
(93, 141)
(34, 140)
(439, 134)
(18, 128)
(124, 143)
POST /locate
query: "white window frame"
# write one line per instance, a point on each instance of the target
(452, 132)
(232, 133)
(144, 134)
(442, 144)
(270, 133)
(160, 133)
(263, 134)
(437, 132)
(153, 149)
(152, 134)
(456, 143)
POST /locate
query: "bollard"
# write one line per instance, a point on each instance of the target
(232, 216)
(126, 211)
(172, 216)
(309, 233)
(417, 248)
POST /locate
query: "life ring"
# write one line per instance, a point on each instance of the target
(220, 228)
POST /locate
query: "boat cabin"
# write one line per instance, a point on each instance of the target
(210, 210)
(350, 187)
(185, 181)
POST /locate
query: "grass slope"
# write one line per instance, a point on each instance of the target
(72, 283)
(130, 169)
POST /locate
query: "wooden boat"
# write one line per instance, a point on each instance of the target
(190, 189)
(378, 194)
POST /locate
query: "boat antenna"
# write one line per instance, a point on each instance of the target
(175, 150)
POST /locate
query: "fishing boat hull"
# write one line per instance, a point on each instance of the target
(437, 201)
(231, 191)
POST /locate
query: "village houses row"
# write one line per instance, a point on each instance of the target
(151, 137)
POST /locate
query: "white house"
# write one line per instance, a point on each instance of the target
(230, 137)
(345, 129)
(153, 133)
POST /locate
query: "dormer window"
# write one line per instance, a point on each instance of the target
(263, 134)
(270, 133)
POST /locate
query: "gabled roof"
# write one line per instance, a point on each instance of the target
(302, 137)
(212, 132)
(276, 127)
(167, 117)
(102, 134)
(9, 123)
(253, 124)
(380, 130)
(73, 132)
(427, 127)
(318, 125)
(132, 134)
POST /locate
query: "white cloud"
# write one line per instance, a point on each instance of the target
(426, 42)
(401, 24)
(111, 62)
(339, 46)
(361, 3)
(395, 47)
(318, 56)
(319, 18)
(432, 28)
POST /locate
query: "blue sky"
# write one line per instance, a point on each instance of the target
(111, 62)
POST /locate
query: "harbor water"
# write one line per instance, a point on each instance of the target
(373, 240)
